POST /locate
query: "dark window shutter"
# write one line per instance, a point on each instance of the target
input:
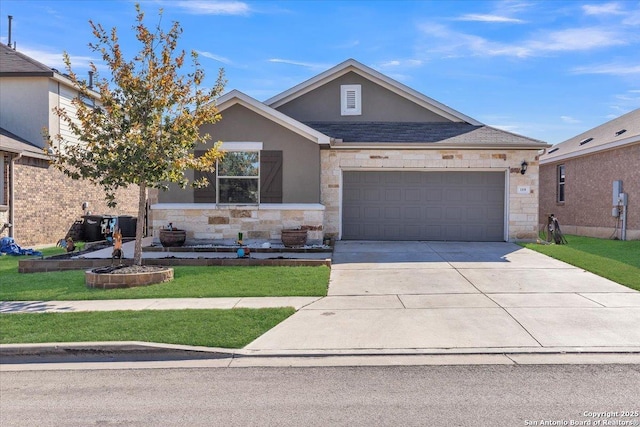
(206, 194)
(271, 177)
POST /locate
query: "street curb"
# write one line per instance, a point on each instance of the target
(17, 351)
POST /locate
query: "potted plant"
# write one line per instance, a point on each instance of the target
(293, 237)
(172, 237)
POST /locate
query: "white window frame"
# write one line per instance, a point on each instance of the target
(561, 181)
(239, 146)
(353, 92)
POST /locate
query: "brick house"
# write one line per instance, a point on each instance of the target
(41, 203)
(354, 154)
(577, 180)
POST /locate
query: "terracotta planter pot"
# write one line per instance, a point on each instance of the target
(292, 238)
(172, 238)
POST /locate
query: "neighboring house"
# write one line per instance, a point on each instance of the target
(577, 180)
(41, 203)
(353, 154)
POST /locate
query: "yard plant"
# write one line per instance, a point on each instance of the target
(613, 259)
(146, 122)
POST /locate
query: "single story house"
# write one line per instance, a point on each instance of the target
(581, 180)
(353, 154)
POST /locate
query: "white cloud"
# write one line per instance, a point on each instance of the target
(569, 119)
(603, 9)
(213, 7)
(401, 63)
(55, 59)
(476, 17)
(507, 128)
(612, 69)
(577, 39)
(310, 65)
(214, 57)
(632, 18)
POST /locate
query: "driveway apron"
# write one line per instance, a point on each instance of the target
(459, 296)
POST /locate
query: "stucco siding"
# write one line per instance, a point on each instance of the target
(24, 107)
(301, 157)
(521, 210)
(378, 104)
(589, 190)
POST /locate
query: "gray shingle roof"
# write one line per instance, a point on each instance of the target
(14, 63)
(418, 132)
(14, 144)
(602, 138)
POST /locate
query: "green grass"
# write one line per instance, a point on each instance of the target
(614, 259)
(189, 282)
(211, 328)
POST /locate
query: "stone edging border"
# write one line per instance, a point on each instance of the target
(45, 265)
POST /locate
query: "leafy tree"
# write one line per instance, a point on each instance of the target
(145, 124)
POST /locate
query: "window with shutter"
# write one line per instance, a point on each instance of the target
(351, 100)
(271, 176)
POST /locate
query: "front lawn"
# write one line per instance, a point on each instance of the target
(189, 282)
(210, 328)
(614, 259)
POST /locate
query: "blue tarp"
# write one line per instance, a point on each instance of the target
(8, 246)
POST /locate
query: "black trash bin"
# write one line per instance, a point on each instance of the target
(91, 228)
(127, 224)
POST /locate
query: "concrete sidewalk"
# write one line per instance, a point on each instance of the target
(153, 304)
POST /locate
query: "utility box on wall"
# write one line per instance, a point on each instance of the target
(617, 189)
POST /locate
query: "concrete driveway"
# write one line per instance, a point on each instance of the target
(459, 298)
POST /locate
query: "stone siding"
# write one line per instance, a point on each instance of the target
(210, 222)
(47, 203)
(586, 210)
(522, 209)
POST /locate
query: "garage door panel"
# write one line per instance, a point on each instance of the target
(392, 195)
(413, 195)
(412, 213)
(399, 205)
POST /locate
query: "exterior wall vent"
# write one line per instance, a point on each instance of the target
(350, 100)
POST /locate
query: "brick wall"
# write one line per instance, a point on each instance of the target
(522, 208)
(588, 192)
(47, 203)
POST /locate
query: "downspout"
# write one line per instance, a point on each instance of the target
(12, 208)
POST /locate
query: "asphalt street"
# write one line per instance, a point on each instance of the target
(483, 395)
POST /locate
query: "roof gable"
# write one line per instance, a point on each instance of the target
(398, 88)
(236, 97)
(618, 132)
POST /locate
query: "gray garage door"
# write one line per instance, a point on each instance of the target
(455, 206)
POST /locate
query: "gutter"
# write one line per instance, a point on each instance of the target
(434, 146)
(12, 209)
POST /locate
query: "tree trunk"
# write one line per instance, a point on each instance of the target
(142, 204)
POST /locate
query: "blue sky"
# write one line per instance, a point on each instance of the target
(544, 69)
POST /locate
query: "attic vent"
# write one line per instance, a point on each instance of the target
(620, 132)
(584, 141)
(553, 150)
(351, 100)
